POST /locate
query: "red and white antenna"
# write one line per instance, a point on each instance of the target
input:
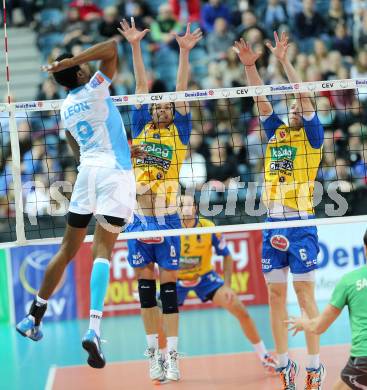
(6, 53)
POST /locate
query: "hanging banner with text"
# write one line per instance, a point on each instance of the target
(122, 298)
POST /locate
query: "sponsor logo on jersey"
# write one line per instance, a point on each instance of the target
(283, 152)
(158, 150)
(279, 242)
(97, 80)
(188, 262)
(151, 240)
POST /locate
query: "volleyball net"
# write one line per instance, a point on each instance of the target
(224, 163)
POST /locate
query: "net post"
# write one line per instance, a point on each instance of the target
(16, 173)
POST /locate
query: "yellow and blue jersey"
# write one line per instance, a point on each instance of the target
(197, 252)
(292, 160)
(166, 150)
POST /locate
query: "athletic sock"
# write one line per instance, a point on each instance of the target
(152, 341)
(282, 360)
(163, 352)
(172, 343)
(95, 317)
(313, 361)
(99, 279)
(260, 349)
(37, 310)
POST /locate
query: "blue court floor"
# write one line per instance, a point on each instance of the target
(25, 364)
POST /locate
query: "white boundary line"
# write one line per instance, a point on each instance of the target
(51, 378)
(208, 230)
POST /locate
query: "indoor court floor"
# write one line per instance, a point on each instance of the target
(216, 355)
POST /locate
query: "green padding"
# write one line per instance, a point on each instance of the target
(4, 296)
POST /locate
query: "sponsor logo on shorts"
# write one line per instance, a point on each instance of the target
(265, 263)
(279, 242)
(152, 240)
(137, 259)
(189, 283)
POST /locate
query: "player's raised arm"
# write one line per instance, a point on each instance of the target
(106, 52)
(280, 51)
(248, 58)
(134, 36)
(186, 43)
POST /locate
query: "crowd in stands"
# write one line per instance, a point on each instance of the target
(329, 41)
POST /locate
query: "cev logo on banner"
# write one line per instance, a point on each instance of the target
(36, 262)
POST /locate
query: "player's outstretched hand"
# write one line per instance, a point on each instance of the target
(245, 53)
(131, 33)
(57, 66)
(137, 151)
(190, 39)
(297, 324)
(281, 46)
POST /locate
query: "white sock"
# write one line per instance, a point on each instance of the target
(41, 300)
(152, 341)
(282, 360)
(172, 343)
(163, 352)
(260, 349)
(95, 317)
(313, 361)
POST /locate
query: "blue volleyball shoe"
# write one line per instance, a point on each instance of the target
(27, 328)
(92, 344)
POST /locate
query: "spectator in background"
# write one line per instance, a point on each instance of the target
(302, 64)
(48, 90)
(308, 24)
(219, 40)
(163, 27)
(343, 174)
(109, 24)
(211, 11)
(359, 70)
(231, 70)
(87, 10)
(76, 31)
(335, 15)
(193, 9)
(219, 166)
(248, 20)
(326, 113)
(319, 55)
(342, 41)
(193, 171)
(274, 16)
(139, 10)
(360, 30)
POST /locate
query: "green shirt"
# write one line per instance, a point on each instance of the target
(351, 291)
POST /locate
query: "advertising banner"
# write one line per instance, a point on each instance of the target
(4, 294)
(121, 295)
(341, 251)
(28, 267)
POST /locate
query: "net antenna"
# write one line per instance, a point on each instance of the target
(15, 149)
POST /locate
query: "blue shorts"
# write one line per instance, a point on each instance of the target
(165, 251)
(294, 247)
(204, 287)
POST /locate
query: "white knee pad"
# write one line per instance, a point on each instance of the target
(277, 275)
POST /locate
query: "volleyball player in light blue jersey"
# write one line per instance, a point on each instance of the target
(105, 184)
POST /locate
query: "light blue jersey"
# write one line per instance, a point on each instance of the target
(96, 124)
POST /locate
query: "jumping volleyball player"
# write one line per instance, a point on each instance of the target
(292, 158)
(163, 129)
(197, 274)
(105, 184)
